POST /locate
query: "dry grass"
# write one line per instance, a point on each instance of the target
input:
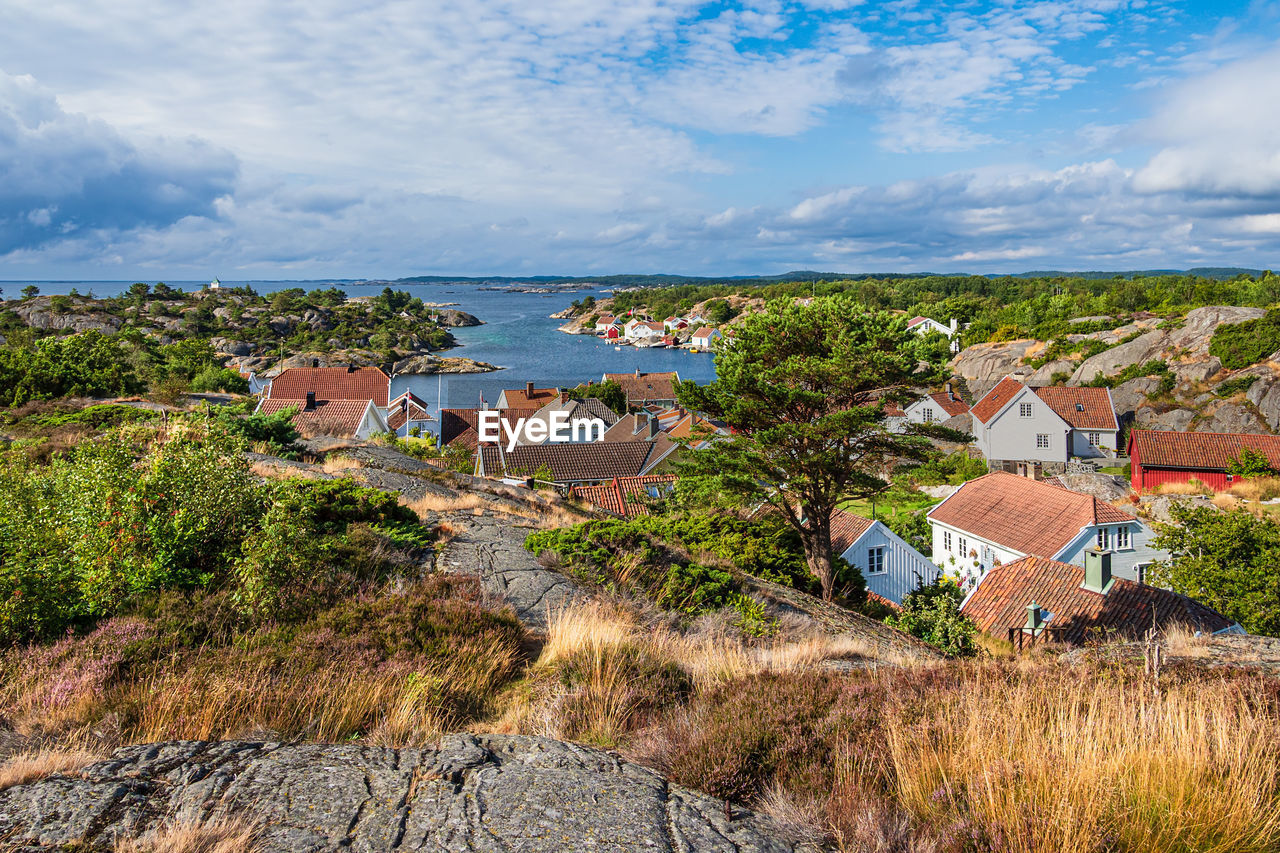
(1105, 766)
(1256, 489)
(1182, 641)
(1191, 487)
(222, 835)
(459, 502)
(337, 463)
(275, 471)
(34, 766)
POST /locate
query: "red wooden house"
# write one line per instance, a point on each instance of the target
(1175, 457)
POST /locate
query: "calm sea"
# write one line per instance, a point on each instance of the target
(518, 336)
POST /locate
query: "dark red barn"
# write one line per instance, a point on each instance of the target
(1175, 457)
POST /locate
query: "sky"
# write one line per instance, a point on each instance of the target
(328, 138)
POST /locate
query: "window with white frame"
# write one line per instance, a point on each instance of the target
(1122, 537)
(1104, 538)
(1024, 409)
(1042, 440)
(927, 414)
(946, 540)
(875, 560)
(1094, 439)
(1141, 569)
(964, 546)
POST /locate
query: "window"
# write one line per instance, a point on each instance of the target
(946, 540)
(1122, 537)
(1024, 409)
(1079, 407)
(1104, 538)
(964, 547)
(927, 414)
(1094, 438)
(1042, 440)
(875, 560)
(1142, 571)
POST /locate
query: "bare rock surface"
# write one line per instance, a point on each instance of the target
(492, 547)
(1104, 487)
(469, 792)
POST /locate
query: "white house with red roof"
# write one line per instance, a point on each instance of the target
(1000, 517)
(1014, 422)
(924, 325)
(705, 338)
(892, 568)
(339, 418)
(936, 408)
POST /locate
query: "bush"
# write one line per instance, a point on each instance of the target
(213, 378)
(89, 364)
(1239, 345)
(932, 613)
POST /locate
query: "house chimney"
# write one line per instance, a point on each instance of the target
(653, 427)
(950, 394)
(954, 325)
(1097, 571)
(528, 389)
(311, 401)
(1035, 620)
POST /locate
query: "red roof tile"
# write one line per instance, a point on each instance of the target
(455, 423)
(645, 387)
(1000, 602)
(1081, 407)
(332, 383)
(993, 401)
(329, 417)
(524, 398)
(1024, 515)
(845, 530)
(950, 403)
(1204, 450)
(622, 496)
(408, 406)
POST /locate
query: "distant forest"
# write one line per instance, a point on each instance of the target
(996, 309)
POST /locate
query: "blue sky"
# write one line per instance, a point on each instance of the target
(399, 137)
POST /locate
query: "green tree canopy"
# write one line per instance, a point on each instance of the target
(1250, 463)
(1227, 560)
(803, 388)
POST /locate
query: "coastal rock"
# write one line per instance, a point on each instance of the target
(420, 365)
(1264, 394)
(453, 318)
(1128, 396)
(1230, 417)
(1104, 487)
(38, 313)
(1176, 420)
(470, 792)
(1112, 361)
(983, 365)
(1157, 507)
(1197, 371)
(229, 347)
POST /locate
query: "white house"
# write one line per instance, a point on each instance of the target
(924, 325)
(891, 567)
(215, 285)
(604, 323)
(407, 412)
(339, 418)
(1017, 423)
(1000, 517)
(705, 338)
(643, 331)
(936, 408)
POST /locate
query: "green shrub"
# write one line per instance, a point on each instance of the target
(1250, 463)
(1239, 345)
(1235, 386)
(213, 378)
(932, 613)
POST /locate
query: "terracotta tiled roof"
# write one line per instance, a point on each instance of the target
(1023, 515)
(525, 398)
(332, 383)
(329, 417)
(845, 530)
(572, 463)
(1081, 407)
(881, 600)
(454, 423)
(1000, 602)
(915, 321)
(704, 332)
(993, 401)
(1204, 450)
(950, 403)
(642, 387)
(623, 496)
(408, 406)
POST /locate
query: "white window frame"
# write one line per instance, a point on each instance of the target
(927, 414)
(964, 547)
(876, 557)
(1025, 410)
(1043, 441)
(1123, 538)
(1104, 538)
(1095, 438)
(946, 540)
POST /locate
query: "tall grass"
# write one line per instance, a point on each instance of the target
(1256, 489)
(1039, 767)
(229, 835)
(28, 767)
